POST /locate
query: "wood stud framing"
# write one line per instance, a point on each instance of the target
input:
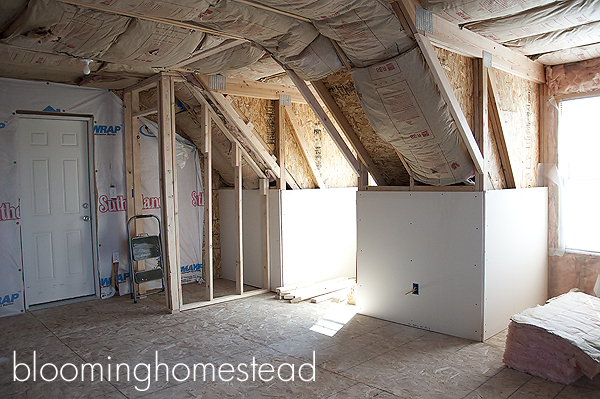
(168, 185)
(280, 144)
(208, 203)
(165, 85)
(239, 242)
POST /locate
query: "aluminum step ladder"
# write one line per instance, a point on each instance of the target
(142, 247)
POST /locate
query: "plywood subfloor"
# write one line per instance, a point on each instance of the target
(366, 358)
(194, 292)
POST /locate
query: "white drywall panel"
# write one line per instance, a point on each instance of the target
(318, 234)
(253, 233)
(430, 238)
(275, 238)
(516, 254)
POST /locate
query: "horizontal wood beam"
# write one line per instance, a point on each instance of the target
(217, 119)
(145, 112)
(451, 37)
(256, 89)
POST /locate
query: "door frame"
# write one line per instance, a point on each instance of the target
(89, 119)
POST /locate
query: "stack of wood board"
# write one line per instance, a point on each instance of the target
(320, 292)
(559, 341)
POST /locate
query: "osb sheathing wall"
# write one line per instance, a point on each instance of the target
(333, 168)
(518, 100)
(341, 87)
(570, 270)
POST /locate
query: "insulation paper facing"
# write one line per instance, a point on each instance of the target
(236, 57)
(468, 10)
(405, 108)
(278, 34)
(316, 61)
(154, 45)
(180, 10)
(46, 25)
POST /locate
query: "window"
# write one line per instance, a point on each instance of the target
(579, 164)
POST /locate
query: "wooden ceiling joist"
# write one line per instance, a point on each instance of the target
(256, 89)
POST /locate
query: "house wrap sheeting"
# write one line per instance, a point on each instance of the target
(109, 166)
(404, 106)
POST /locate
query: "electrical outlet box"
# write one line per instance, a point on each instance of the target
(415, 289)
(115, 257)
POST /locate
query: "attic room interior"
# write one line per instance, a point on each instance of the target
(307, 198)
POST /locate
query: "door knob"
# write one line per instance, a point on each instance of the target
(86, 218)
(85, 206)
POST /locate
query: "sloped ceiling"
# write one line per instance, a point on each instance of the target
(128, 40)
(550, 31)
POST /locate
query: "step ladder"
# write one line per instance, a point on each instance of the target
(142, 247)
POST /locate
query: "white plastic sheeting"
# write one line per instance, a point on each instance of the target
(368, 33)
(107, 110)
(278, 34)
(571, 55)
(316, 61)
(9, 10)
(403, 104)
(108, 152)
(190, 197)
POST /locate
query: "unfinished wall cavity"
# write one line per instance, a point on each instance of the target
(341, 88)
(518, 102)
(331, 164)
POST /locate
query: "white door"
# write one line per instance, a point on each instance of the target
(55, 208)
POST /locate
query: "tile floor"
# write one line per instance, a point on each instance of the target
(366, 358)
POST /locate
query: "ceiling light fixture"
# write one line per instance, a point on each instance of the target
(86, 67)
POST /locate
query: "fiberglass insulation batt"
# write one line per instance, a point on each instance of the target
(559, 341)
(405, 108)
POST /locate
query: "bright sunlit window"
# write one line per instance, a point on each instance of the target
(579, 164)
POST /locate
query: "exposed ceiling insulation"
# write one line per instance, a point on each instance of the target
(550, 31)
(251, 40)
